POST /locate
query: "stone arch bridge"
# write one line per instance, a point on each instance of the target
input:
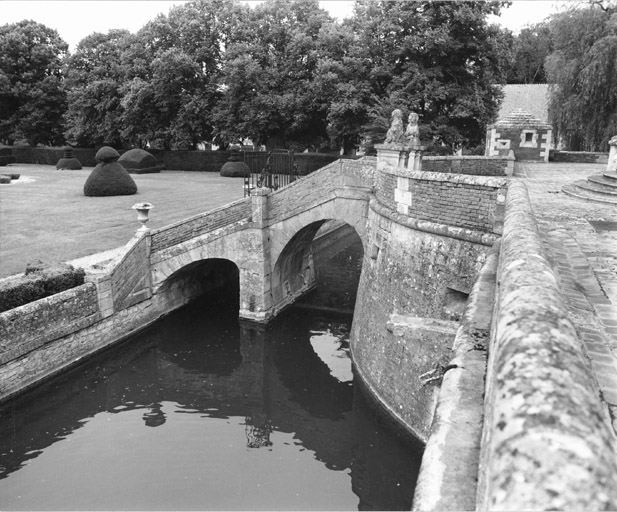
(268, 236)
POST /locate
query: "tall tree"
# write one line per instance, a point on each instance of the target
(581, 69)
(530, 49)
(267, 81)
(95, 77)
(174, 69)
(32, 97)
(439, 59)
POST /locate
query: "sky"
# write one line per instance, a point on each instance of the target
(75, 19)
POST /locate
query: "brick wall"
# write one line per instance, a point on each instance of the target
(475, 165)
(200, 224)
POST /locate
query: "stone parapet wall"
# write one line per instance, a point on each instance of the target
(203, 223)
(474, 165)
(319, 187)
(130, 278)
(471, 202)
(547, 442)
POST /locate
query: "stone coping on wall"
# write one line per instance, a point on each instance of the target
(464, 179)
(468, 235)
(466, 157)
(547, 441)
(449, 471)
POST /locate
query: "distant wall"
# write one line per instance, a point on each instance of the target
(202, 161)
(578, 157)
(476, 165)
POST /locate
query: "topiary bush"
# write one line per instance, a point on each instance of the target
(139, 161)
(68, 161)
(109, 178)
(234, 167)
(37, 283)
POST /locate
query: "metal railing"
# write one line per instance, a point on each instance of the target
(273, 169)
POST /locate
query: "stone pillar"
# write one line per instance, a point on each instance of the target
(400, 155)
(259, 203)
(612, 155)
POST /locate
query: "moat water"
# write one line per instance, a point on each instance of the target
(203, 412)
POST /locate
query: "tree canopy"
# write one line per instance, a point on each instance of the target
(32, 97)
(581, 69)
(283, 73)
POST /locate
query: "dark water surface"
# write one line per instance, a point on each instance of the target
(203, 412)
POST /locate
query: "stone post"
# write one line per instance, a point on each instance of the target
(612, 155)
(259, 204)
(400, 155)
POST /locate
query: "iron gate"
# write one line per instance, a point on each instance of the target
(273, 169)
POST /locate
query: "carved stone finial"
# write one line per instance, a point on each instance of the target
(412, 133)
(396, 133)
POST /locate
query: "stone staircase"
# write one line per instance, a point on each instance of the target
(600, 188)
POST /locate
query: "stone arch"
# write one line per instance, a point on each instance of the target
(350, 211)
(209, 275)
(293, 272)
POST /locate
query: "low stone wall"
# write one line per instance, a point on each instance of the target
(474, 165)
(472, 202)
(33, 325)
(578, 157)
(547, 442)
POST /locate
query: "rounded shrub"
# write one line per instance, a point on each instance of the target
(234, 167)
(139, 161)
(68, 161)
(109, 178)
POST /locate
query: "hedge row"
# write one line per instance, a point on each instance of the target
(38, 283)
(203, 161)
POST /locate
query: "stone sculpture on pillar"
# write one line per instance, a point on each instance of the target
(412, 133)
(396, 133)
(402, 145)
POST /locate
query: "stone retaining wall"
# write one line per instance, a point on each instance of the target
(547, 442)
(449, 472)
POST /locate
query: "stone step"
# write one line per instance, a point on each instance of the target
(611, 175)
(602, 180)
(573, 190)
(594, 186)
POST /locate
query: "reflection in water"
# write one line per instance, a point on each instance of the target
(238, 417)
